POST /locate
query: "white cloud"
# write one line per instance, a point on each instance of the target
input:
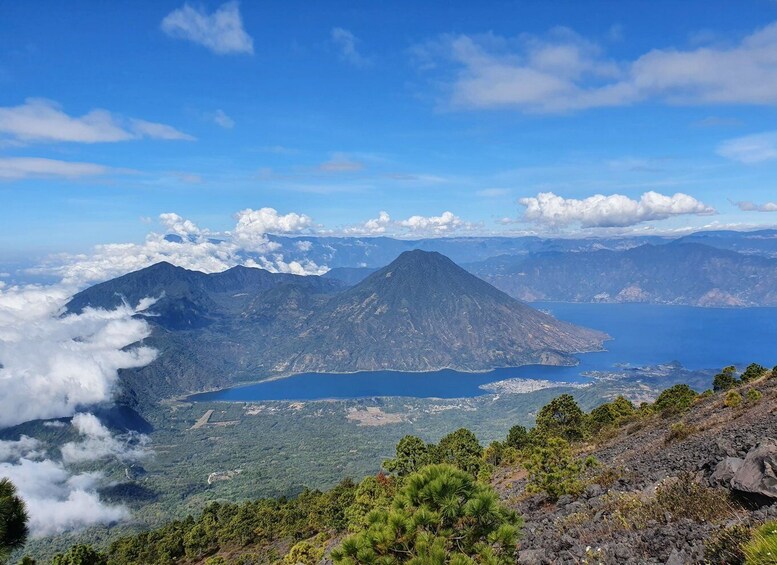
(750, 149)
(347, 44)
(493, 192)
(304, 246)
(178, 225)
(25, 446)
(98, 443)
(446, 222)
(746, 206)
(220, 118)
(341, 163)
(565, 72)
(254, 225)
(373, 226)
(195, 248)
(57, 500)
(142, 128)
(40, 120)
(15, 168)
(614, 210)
(222, 31)
(52, 365)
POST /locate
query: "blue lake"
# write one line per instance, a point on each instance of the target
(698, 338)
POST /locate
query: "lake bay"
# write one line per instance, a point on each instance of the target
(643, 335)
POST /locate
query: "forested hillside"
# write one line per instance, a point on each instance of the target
(686, 479)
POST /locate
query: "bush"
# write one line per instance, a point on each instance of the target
(725, 380)
(611, 413)
(460, 449)
(80, 554)
(679, 431)
(675, 400)
(762, 547)
(752, 396)
(727, 545)
(733, 399)
(554, 470)
(13, 520)
(562, 417)
(412, 453)
(517, 437)
(752, 372)
(441, 515)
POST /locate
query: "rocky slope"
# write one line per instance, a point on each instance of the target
(650, 465)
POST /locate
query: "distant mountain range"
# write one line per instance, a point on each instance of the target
(676, 273)
(421, 312)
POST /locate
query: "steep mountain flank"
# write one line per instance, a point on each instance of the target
(424, 312)
(420, 313)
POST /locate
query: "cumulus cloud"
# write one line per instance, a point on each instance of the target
(254, 225)
(346, 43)
(187, 245)
(614, 210)
(746, 206)
(750, 149)
(40, 120)
(57, 500)
(222, 31)
(52, 365)
(444, 223)
(15, 168)
(373, 226)
(99, 443)
(564, 71)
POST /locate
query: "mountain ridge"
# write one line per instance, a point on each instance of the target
(420, 313)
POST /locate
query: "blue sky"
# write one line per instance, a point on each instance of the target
(114, 113)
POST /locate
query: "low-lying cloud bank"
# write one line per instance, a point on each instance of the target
(52, 365)
(58, 499)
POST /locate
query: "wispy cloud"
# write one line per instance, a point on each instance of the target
(750, 149)
(347, 44)
(564, 72)
(39, 120)
(222, 31)
(15, 168)
(747, 206)
(220, 118)
(341, 163)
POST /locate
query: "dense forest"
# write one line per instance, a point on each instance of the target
(438, 503)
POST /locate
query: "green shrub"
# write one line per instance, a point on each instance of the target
(13, 519)
(752, 396)
(517, 437)
(562, 417)
(371, 494)
(441, 515)
(733, 399)
(762, 547)
(725, 380)
(611, 414)
(752, 372)
(679, 431)
(554, 470)
(460, 449)
(306, 552)
(675, 400)
(80, 554)
(727, 545)
(412, 453)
